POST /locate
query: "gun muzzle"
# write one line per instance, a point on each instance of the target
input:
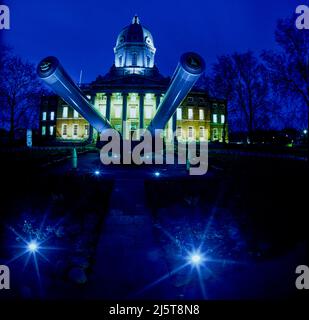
(52, 73)
(189, 69)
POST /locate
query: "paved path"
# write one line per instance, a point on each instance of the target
(128, 258)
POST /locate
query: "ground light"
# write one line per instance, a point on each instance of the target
(305, 131)
(32, 246)
(196, 258)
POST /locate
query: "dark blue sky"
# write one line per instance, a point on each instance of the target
(82, 34)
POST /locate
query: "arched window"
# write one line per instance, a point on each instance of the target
(134, 59)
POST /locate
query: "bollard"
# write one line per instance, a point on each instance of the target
(74, 159)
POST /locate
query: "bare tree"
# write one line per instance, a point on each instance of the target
(242, 80)
(20, 93)
(289, 68)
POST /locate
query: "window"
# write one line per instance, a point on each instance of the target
(202, 132)
(201, 114)
(179, 132)
(148, 62)
(64, 130)
(65, 112)
(222, 118)
(134, 59)
(133, 97)
(117, 111)
(201, 100)
(148, 112)
(86, 130)
(118, 127)
(148, 96)
(215, 118)
(133, 112)
(44, 116)
(51, 130)
(120, 61)
(190, 99)
(190, 132)
(52, 116)
(75, 130)
(75, 114)
(43, 131)
(179, 113)
(190, 114)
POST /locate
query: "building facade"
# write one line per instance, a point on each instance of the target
(129, 95)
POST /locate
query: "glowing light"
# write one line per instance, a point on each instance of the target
(33, 246)
(97, 172)
(157, 174)
(196, 258)
(305, 131)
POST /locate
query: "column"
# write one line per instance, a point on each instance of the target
(124, 114)
(141, 110)
(158, 97)
(108, 106)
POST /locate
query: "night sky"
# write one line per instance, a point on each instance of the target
(82, 34)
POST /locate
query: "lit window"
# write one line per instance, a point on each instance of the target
(44, 116)
(52, 116)
(65, 112)
(133, 112)
(102, 109)
(117, 112)
(202, 132)
(190, 132)
(190, 113)
(43, 131)
(201, 114)
(75, 130)
(179, 132)
(86, 129)
(118, 127)
(148, 96)
(215, 118)
(64, 130)
(148, 113)
(179, 113)
(222, 118)
(133, 97)
(75, 114)
(118, 96)
(51, 130)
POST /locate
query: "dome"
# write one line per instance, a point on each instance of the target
(134, 46)
(135, 32)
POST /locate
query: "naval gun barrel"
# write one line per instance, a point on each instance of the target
(189, 69)
(52, 73)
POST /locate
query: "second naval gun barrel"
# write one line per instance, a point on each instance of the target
(189, 69)
(52, 73)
